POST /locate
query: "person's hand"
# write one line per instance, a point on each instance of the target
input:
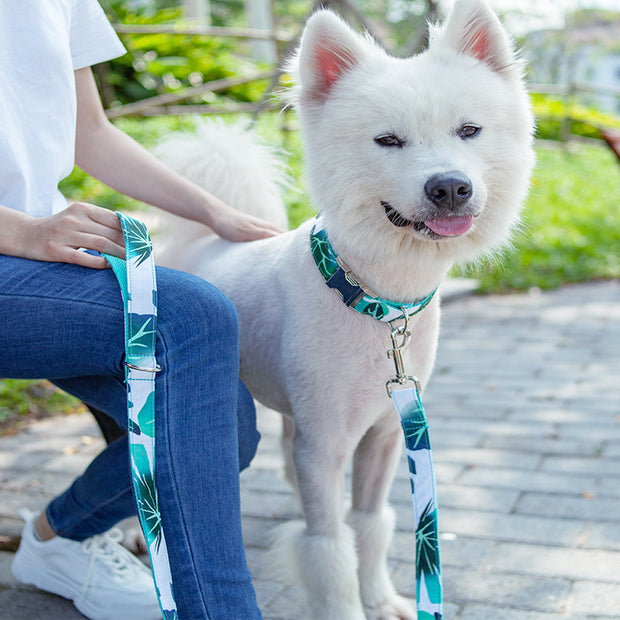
(57, 238)
(234, 225)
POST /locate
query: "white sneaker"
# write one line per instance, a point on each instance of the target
(101, 577)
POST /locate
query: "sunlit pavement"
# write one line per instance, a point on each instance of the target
(524, 412)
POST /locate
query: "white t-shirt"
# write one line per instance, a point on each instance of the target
(42, 42)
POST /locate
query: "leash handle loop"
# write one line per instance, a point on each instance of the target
(136, 277)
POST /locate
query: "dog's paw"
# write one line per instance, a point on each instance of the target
(395, 608)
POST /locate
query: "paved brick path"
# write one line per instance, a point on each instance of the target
(524, 409)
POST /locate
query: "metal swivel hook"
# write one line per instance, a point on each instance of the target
(400, 336)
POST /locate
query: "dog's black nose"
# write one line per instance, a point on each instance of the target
(449, 190)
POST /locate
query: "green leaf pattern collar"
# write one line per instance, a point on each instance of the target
(353, 293)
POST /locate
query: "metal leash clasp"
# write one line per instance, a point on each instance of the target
(400, 336)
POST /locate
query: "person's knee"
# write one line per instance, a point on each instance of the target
(197, 326)
(191, 309)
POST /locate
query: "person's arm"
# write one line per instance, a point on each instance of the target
(59, 237)
(108, 154)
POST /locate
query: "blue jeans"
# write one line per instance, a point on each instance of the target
(65, 323)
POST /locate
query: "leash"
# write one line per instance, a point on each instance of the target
(405, 392)
(136, 277)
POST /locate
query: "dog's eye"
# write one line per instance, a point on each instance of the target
(390, 140)
(469, 131)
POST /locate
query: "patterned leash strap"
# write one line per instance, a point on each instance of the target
(405, 393)
(136, 277)
(423, 490)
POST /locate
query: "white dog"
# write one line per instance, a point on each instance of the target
(415, 164)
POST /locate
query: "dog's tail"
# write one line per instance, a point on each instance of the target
(231, 162)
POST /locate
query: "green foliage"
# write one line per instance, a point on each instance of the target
(571, 228)
(81, 187)
(162, 63)
(585, 121)
(589, 16)
(280, 131)
(21, 399)
(148, 132)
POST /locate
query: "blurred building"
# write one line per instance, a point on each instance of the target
(585, 52)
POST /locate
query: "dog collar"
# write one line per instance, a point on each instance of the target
(355, 294)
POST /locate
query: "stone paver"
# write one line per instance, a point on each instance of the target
(524, 409)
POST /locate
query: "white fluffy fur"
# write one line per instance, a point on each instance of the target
(320, 560)
(206, 157)
(302, 351)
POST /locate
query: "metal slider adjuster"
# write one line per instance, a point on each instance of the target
(134, 367)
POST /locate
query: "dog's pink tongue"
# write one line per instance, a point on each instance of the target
(451, 226)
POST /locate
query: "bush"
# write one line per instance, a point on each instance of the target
(161, 63)
(585, 122)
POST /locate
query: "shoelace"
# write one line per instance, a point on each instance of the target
(104, 547)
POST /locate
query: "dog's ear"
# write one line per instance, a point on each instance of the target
(328, 49)
(474, 30)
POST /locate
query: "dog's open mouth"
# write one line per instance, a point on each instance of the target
(440, 227)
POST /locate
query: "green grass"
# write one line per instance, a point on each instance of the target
(571, 227)
(22, 400)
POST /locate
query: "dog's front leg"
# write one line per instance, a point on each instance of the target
(372, 519)
(320, 554)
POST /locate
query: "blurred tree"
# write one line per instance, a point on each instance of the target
(159, 63)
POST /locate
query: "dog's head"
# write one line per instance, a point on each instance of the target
(431, 151)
